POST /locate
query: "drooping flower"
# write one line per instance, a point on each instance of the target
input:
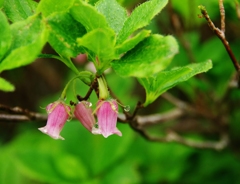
(84, 114)
(58, 113)
(107, 113)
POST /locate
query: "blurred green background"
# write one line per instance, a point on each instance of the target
(29, 157)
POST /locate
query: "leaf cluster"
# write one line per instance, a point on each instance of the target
(104, 32)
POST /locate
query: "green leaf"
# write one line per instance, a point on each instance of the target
(163, 81)
(64, 31)
(88, 16)
(1, 3)
(150, 56)
(115, 14)
(132, 42)
(68, 163)
(100, 153)
(29, 37)
(6, 86)
(125, 172)
(170, 169)
(101, 42)
(140, 17)
(8, 171)
(17, 10)
(55, 166)
(48, 7)
(5, 35)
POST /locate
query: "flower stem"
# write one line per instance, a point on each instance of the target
(66, 61)
(81, 75)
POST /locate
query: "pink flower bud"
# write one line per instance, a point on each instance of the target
(58, 113)
(107, 114)
(83, 113)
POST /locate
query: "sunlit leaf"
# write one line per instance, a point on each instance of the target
(163, 81)
(132, 42)
(47, 7)
(17, 10)
(150, 56)
(140, 17)
(99, 41)
(113, 12)
(88, 16)
(5, 35)
(64, 31)
(29, 37)
(6, 86)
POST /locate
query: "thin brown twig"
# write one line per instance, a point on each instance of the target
(177, 102)
(19, 114)
(137, 124)
(220, 34)
(222, 14)
(93, 86)
(187, 107)
(23, 118)
(159, 118)
(138, 106)
(174, 137)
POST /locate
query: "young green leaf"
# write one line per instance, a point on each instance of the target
(47, 7)
(29, 37)
(150, 56)
(88, 16)
(5, 35)
(163, 81)
(6, 86)
(100, 42)
(115, 14)
(132, 42)
(17, 10)
(64, 31)
(140, 17)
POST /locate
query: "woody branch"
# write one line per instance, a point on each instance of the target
(220, 33)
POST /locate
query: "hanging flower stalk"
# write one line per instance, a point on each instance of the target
(59, 112)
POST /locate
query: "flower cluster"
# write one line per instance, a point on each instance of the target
(106, 112)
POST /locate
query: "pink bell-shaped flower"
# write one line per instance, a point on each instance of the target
(107, 113)
(84, 114)
(58, 113)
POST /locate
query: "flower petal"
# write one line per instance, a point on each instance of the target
(107, 118)
(58, 113)
(83, 113)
